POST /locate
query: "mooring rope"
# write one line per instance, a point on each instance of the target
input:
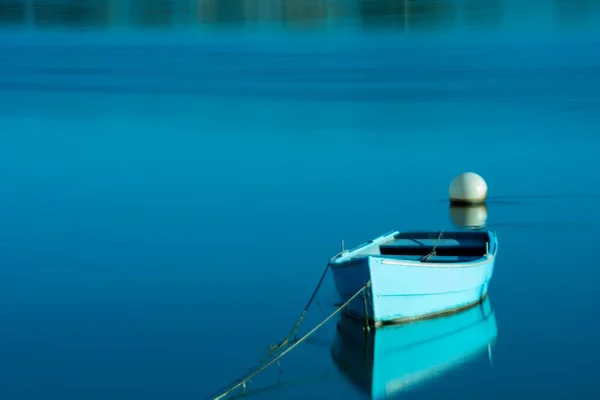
(432, 252)
(275, 347)
(325, 376)
(242, 382)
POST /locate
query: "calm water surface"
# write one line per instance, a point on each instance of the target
(175, 175)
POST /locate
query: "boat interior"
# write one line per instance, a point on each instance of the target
(449, 246)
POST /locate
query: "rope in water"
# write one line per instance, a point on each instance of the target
(242, 382)
(274, 348)
(325, 376)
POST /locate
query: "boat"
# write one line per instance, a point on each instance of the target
(415, 274)
(386, 362)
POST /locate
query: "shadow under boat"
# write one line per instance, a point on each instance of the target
(386, 361)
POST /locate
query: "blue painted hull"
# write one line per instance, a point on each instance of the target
(393, 359)
(404, 288)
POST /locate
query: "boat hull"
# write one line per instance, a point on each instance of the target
(405, 290)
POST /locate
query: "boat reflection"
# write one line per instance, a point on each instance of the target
(469, 216)
(386, 361)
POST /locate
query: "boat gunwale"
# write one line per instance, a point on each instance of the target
(347, 254)
(486, 259)
(345, 258)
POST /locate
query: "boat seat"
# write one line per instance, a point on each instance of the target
(441, 250)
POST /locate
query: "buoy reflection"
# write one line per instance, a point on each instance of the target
(469, 216)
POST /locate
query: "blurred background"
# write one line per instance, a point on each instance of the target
(308, 15)
(174, 176)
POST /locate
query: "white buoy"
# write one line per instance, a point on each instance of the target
(468, 188)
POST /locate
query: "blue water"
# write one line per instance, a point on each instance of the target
(169, 195)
